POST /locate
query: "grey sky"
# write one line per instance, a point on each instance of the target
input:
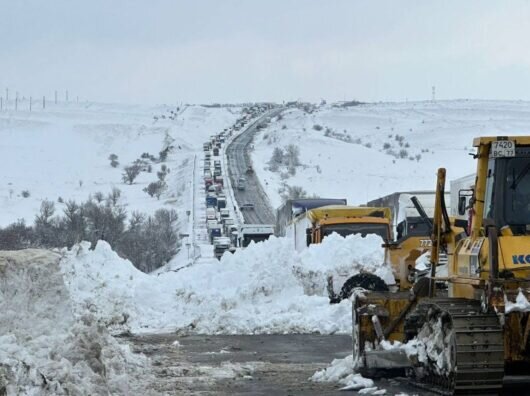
(240, 50)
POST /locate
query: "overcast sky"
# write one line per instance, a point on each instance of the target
(157, 51)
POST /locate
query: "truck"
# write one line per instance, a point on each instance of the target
(253, 232)
(211, 201)
(315, 224)
(221, 245)
(225, 213)
(292, 208)
(214, 231)
(221, 202)
(403, 209)
(219, 180)
(211, 214)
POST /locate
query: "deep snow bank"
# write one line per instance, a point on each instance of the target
(44, 349)
(265, 288)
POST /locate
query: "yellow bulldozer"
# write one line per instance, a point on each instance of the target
(480, 325)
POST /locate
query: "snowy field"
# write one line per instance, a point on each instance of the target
(63, 152)
(359, 159)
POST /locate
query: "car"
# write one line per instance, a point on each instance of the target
(241, 183)
(247, 206)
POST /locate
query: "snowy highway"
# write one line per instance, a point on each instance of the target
(238, 162)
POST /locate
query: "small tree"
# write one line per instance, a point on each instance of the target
(403, 153)
(130, 173)
(113, 157)
(114, 196)
(292, 155)
(277, 156)
(114, 163)
(155, 189)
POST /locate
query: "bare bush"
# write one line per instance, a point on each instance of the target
(403, 153)
(130, 173)
(318, 127)
(25, 193)
(155, 189)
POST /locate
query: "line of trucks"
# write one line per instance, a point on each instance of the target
(223, 231)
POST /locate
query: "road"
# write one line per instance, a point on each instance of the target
(238, 157)
(259, 365)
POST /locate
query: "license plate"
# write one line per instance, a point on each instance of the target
(502, 148)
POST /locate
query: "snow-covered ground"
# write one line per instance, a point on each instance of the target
(63, 152)
(353, 162)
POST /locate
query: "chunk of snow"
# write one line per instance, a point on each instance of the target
(521, 304)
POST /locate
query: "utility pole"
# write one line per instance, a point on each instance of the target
(66, 96)
(433, 93)
(30, 103)
(44, 102)
(55, 97)
(16, 101)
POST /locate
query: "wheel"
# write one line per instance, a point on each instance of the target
(363, 280)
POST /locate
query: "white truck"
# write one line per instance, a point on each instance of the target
(405, 217)
(253, 232)
(221, 245)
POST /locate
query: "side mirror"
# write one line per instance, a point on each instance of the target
(463, 196)
(308, 234)
(462, 205)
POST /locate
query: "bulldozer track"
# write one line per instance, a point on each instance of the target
(478, 346)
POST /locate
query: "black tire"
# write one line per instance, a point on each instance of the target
(364, 280)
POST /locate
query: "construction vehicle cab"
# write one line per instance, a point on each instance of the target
(483, 317)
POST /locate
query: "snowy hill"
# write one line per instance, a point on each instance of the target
(353, 152)
(63, 151)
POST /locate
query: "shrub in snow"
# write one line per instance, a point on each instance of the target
(155, 189)
(45, 229)
(98, 196)
(292, 155)
(114, 196)
(161, 175)
(284, 126)
(25, 193)
(277, 156)
(113, 157)
(386, 146)
(403, 153)
(293, 192)
(318, 127)
(16, 236)
(130, 173)
(114, 163)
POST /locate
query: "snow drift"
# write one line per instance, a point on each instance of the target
(44, 349)
(265, 288)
